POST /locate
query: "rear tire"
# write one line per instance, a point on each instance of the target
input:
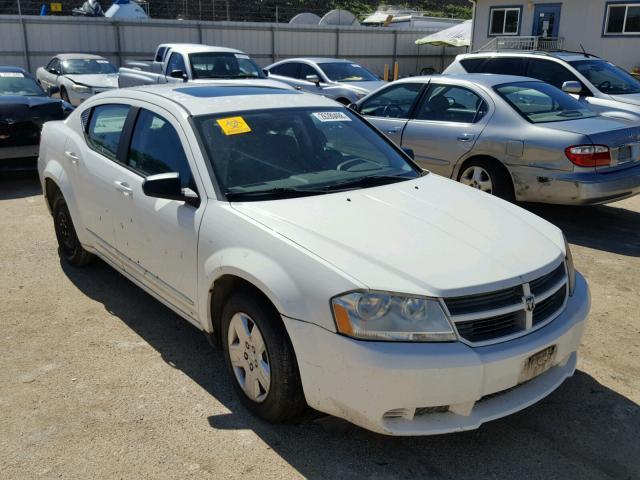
(69, 246)
(488, 176)
(260, 359)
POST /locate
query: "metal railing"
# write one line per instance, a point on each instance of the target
(523, 43)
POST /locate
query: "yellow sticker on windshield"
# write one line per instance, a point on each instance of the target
(233, 125)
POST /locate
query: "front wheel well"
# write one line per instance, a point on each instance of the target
(51, 191)
(221, 291)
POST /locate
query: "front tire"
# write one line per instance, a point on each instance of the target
(260, 359)
(69, 246)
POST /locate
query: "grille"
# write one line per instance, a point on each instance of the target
(489, 317)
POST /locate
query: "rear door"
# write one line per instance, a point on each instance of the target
(390, 109)
(157, 238)
(445, 126)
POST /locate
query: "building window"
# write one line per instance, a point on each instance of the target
(623, 19)
(504, 21)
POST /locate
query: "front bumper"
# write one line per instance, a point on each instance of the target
(432, 388)
(575, 188)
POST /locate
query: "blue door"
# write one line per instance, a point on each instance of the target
(546, 20)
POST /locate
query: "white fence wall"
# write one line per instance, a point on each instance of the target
(30, 41)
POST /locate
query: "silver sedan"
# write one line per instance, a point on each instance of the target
(341, 80)
(514, 137)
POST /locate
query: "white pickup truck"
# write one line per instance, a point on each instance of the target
(184, 62)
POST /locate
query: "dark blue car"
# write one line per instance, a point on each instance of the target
(24, 107)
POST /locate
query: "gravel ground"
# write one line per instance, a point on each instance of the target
(99, 380)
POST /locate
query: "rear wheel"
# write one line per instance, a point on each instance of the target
(487, 176)
(68, 244)
(260, 359)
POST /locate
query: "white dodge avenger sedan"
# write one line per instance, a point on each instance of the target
(332, 271)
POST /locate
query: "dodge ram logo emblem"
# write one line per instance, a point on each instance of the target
(530, 303)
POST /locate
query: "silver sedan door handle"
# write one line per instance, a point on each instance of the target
(466, 137)
(73, 156)
(124, 188)
(393, 131)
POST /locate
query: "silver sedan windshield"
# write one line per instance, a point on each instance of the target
(299, 151)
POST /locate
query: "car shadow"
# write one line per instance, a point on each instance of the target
(583, 430)
(19, 185)
(603, 227)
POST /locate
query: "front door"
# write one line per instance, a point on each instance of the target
(546, 20)
(157, 238)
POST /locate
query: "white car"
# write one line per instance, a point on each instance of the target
(332, 270)
(77, 76)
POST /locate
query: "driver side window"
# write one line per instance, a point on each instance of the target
(176, 63)
(393, 102)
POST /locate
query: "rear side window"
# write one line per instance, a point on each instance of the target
(156, 148)
(286, 70)
(450, 103)
(472, 65)
(550, 72)
(105, 129)
(505, 66)
(394, 102)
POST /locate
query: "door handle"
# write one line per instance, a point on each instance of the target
(124, 188)
(393, 131)
(73, 156)
(466, 137)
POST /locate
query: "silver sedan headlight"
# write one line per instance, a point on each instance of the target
(571, 270)
(391, 317)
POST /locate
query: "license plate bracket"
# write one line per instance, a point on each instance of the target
(538, 363)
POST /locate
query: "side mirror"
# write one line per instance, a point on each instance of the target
(169, 186)
(572, 87)
(354, 107)
(178, 74)
(52, 90)
(409, 152)
(266, 72)
(313, 78)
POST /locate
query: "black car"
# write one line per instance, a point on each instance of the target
(24, 107)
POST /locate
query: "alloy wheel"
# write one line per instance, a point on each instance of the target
(477, 177)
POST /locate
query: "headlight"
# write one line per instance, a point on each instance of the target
(571, 270)
(80, 88)
(384, 316)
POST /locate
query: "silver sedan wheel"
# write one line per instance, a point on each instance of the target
(249, 357)
(477, 177)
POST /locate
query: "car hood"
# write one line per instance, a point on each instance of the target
(632, 98)
(19, 108)
(109, 80)
(365, 86)
(428, 236)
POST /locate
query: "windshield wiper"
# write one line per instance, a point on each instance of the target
(280, 192)
(570, 113)
(370, 181)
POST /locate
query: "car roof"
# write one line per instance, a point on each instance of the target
(484, 79)
(186, 48)
(225, 96)
(7, 68)
(78, 56)
(560, 54)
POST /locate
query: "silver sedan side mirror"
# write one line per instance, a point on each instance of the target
(572, 87)
(313, 78)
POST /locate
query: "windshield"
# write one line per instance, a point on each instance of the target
(223, 65)
(15, 83)
(293, 152)
(347, 72)
(540, 102)
(606, 77)
(87, 67)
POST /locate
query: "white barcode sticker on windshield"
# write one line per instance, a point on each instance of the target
(102, 61)
(331, 117)
(242, 55)
(11, 75)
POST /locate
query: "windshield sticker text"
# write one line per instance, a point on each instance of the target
(331, 117)
(11, 75)
(233, 125)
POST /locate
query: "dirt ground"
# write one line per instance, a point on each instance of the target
(99, 380)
